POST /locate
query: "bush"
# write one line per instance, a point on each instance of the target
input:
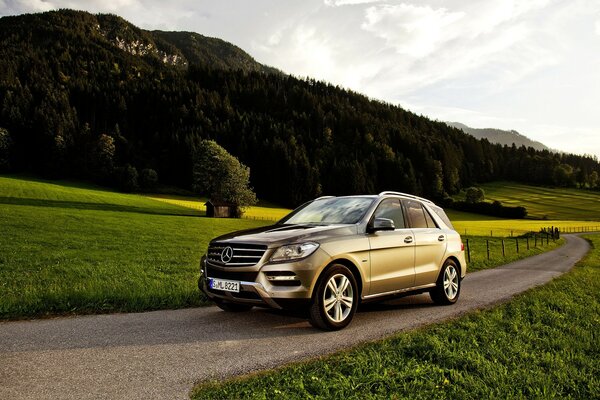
(127, 178)
(148, 178)
(474, 195)
(5, 149)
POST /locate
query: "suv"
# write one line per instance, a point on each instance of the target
(332, 253)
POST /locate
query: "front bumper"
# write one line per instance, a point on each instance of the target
(257, 286)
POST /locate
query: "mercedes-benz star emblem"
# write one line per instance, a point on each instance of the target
(226, 254)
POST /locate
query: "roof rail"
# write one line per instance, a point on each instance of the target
(324, 197)
(411, 196)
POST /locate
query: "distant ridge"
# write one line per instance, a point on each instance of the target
(500, 136)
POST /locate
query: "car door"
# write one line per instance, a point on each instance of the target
(430, 243)
(392, 253)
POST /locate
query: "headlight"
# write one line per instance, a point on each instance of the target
(294, 251)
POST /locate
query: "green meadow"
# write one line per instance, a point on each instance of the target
(70, 247)
(67, 247)
(547, 203)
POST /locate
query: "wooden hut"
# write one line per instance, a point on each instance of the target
(219, 209)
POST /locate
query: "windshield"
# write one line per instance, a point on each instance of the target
(338, 210)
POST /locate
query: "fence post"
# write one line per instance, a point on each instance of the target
(487, 244)
(517, 240)
(511, 233)
(527, 237)
(468, 251)
(503, 254)
(535, 239)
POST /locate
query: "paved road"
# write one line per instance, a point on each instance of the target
(162, 354)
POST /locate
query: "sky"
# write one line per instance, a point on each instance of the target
(528, 65)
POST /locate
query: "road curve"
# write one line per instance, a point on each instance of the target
(161, 354)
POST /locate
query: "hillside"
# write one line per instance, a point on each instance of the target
(544, 202)
(499, 136)
(94, 97)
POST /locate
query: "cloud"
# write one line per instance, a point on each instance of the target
(597, 27)
(338, 3)
(412, 30)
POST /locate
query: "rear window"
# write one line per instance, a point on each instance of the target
(416, 214)
(440, 213)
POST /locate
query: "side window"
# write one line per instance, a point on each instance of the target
(391, 209)
(430, 221)
(416, 214)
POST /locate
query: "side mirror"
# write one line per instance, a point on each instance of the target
(383, 224)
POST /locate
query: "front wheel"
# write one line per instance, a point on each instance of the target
(232, 307)
(335, 299)
(447, 288)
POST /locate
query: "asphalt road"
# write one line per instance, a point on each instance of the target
(162, 354)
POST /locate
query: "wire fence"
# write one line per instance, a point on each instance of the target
(488, 248)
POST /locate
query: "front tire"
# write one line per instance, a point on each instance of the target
(335, 299)
(447, 289)
(232, 307)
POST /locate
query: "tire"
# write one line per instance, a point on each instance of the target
(447, 289)
(232, 307)
(334, 300)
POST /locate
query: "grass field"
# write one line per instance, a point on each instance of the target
(72, 248)
(262, 211)
(482, 225)
(68, 247)
(544, 344)
(549, 203)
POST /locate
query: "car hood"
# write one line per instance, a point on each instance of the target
(277, 235)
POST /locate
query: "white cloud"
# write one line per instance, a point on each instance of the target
(597, 27)
(337, 3)
(412, 30)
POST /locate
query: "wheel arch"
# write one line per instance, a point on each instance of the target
(348, 264)
(457, 262)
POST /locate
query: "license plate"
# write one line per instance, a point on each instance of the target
(221, 284)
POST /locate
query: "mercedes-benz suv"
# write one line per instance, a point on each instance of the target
(332, 253)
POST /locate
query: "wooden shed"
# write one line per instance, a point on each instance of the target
(219, 209)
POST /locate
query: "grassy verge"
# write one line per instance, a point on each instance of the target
(543, 344)
(78, 249)
(479, 249)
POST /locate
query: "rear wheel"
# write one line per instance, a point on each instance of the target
(232, 307)
(447, 288)
(335, 299)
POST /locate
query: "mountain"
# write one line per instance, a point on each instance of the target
(499, 136)
(180, 49)
(94, 97)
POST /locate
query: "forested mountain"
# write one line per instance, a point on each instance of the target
(92, 96)
(500, 136)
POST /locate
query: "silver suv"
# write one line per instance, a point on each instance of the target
(332, 253)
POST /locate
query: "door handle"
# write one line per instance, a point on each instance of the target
(441, 238)
(408, 239)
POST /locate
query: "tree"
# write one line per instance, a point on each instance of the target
(221, 176)
(563, 175)
(148, 178)
(127, 178)
(5, 149)
(474, 195)
(593, 180)
(103, 157)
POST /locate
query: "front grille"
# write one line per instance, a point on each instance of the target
(240, 255)
(231, 275)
